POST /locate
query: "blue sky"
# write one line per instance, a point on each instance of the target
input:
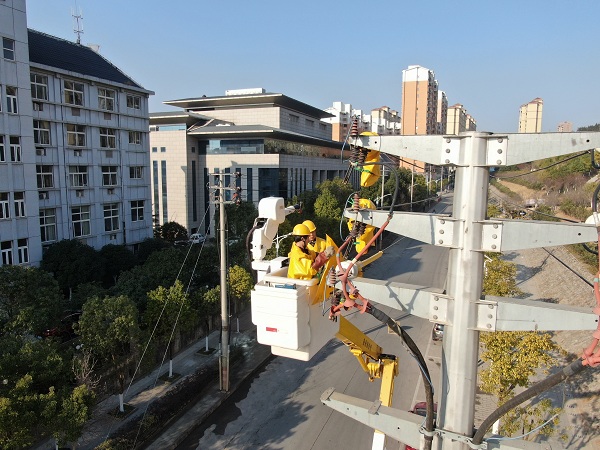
(491, 56)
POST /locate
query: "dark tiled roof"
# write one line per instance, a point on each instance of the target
(62, 54)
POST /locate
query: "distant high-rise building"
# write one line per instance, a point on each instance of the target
(419, 107)
(565, 127)
(442, 112)
(457, 119)
(530, 116)
(419, 101)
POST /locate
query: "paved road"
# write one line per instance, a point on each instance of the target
(280, 407)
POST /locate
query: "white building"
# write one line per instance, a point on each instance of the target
(74, 152)
(279, 145)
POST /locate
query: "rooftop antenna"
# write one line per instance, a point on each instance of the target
(77, 22)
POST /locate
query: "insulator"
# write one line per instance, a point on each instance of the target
(354, 127)
(331, 278)
(362, 155)
(355, 202)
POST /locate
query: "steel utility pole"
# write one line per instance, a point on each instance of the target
(468, 234)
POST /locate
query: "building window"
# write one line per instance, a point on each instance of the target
(4, 206)
(163, 149)
(154, 149)
(15, 149)
(39, 86)
(155, 191)
(106, 99)
(309, 123)
(134, 101)
(22, 251)
(75, 135)
(163, 173)
(136, 172)
(137, 210)
(6, 250)
(45, 177)
(8, 48)
(78, 176)
(111, 217)
(73, 93)
(2, 150)
(294, 118)
(19, 204)
(41, 132)
(135, 137)
(108, 138)
(48, 224)
(109, 175)
(322, 126)
(80, 217)
(12, 105)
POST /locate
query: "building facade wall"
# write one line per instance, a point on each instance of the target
(83, 168)
(530, 116)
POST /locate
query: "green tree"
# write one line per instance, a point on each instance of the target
(72, 263)
(149, 246)
(71, 414)
(109, 328)
(30, 300)
(169, 312)
(514, 357)
(117, 259)
(240, 218)
(172, 231)
(240, 285)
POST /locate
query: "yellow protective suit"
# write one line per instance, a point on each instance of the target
(320, 245)
(300, 264)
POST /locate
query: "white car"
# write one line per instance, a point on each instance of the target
(197, 238)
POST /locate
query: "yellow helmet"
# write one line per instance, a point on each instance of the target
(311, 226)
(300, 230)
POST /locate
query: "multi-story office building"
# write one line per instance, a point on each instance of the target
(279, 145)
(74, 152)
(530, 116)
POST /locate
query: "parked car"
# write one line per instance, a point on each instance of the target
(197, 238)
(65, 330)
(438, 332)
(420, 409)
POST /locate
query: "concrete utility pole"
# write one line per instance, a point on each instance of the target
(224, 358)
(468, 234)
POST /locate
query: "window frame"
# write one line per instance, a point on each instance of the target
(78, 176)
(48, 224)
(136, 172)
(73, 92)
(2, 150)
(45, 178)
(39, 84)
(134, 101)
(23, 251)
(6, 253)
(106, 102)
(12, 100)
(137, 137)
(19, 205)
(4, 205)
(137, 210)
(40, 133)
(8, 51)
(81, 220)
(106, 138)
(77, 133)
(16, 151)
(110, 176)
(111, 221)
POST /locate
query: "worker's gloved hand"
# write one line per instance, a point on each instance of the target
(320, 260)
(329, 251)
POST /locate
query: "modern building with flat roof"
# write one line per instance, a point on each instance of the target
(280, 146)
(74, 147)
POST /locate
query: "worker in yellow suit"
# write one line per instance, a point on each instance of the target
(316, 244)
(305, 263)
